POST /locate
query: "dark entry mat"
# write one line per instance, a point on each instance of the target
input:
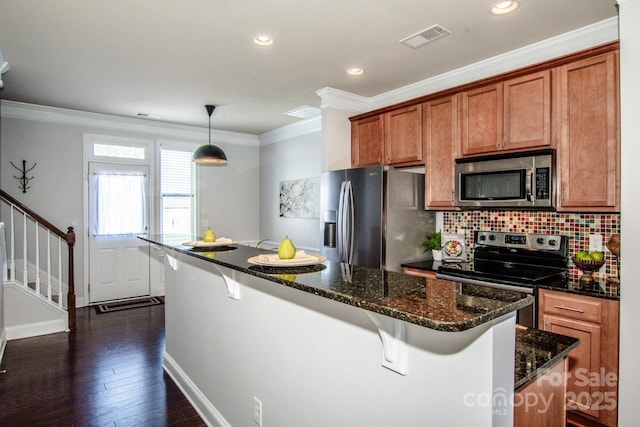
(126, 305)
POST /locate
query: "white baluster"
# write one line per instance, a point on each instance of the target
(60, 272)
(25, 267)
(37, 257)
(49, 265)
(12, 261)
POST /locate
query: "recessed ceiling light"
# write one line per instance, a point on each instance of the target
(263, 40)
(355, 71)
(504, 7)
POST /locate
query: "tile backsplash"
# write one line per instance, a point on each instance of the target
(577, 226)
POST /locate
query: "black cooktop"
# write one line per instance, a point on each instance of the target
(519, 259)
(506, 273)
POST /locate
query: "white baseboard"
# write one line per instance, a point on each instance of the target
(3, 343)
(200, 403)
(35, 329)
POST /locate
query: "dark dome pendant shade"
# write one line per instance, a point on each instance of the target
(210, 154)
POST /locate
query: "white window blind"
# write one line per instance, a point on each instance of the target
(177, 188)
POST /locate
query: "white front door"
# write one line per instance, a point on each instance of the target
(118, 213)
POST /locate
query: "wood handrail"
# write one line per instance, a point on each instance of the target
(70, 237)
(38, 218)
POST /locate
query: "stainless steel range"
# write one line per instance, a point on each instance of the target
(515, 261)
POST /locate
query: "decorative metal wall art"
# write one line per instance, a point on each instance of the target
(23, 181)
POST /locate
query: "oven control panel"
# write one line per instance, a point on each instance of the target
(531, 241)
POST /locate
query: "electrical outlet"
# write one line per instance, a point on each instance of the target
(595, 242)
(204, 222)
(257, 411)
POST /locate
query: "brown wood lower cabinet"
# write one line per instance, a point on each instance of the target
(592, 379)
(541, 403)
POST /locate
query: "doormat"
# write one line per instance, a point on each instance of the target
(126, 305)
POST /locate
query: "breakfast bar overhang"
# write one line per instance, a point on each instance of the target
(334, 344)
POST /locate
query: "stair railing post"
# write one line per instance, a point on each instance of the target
(71, 292)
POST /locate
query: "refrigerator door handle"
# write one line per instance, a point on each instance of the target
(350, 223)
(341, 222)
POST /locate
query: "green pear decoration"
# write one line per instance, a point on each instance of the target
(286, 250)
(209, 236)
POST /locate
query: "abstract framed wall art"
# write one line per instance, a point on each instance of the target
(300, 198)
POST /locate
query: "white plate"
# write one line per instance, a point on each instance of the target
(301, 259)
(453, 248)
(220, 241)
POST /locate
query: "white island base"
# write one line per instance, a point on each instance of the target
(313, 361)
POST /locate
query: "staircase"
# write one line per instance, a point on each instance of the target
(38, 272)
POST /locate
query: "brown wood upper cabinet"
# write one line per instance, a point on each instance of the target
(588, 134)
(439, 124)
(511, 115)
(366, 141)
(403, 135)
(391, 138)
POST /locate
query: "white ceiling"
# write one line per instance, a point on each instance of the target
(170, 58)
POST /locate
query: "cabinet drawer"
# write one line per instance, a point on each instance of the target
(572, 306)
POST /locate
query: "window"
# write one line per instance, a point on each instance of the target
(118, 151)
(120, 208)
(177, 190)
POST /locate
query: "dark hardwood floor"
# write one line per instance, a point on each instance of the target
(106, 373)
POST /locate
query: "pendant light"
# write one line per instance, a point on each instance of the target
(210, 154)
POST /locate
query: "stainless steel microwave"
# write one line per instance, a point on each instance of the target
(515, 180)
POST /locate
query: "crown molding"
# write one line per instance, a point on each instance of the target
(63, 116)
(583, 38)
(337, 98)
(293, 130)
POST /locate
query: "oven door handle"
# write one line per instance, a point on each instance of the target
(515, 288)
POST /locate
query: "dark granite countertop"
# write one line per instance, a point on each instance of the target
(425, 264)
(433, 303)
(602, 287)
(537, 351)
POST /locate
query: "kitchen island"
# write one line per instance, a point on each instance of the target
(334, 344)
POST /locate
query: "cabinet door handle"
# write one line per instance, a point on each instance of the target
(497, 144)
(544, 325)
(564, 307)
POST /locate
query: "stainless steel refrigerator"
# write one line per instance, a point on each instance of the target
(374, 216)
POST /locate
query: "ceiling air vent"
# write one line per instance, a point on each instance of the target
(423, 37)
(304, 112)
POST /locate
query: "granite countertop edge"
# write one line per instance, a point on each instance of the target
(531, 341)
(443, 326)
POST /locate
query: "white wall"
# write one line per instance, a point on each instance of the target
(3, 333)
(54, 139)
(293, 158)
(630, 223)
(229, 196)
